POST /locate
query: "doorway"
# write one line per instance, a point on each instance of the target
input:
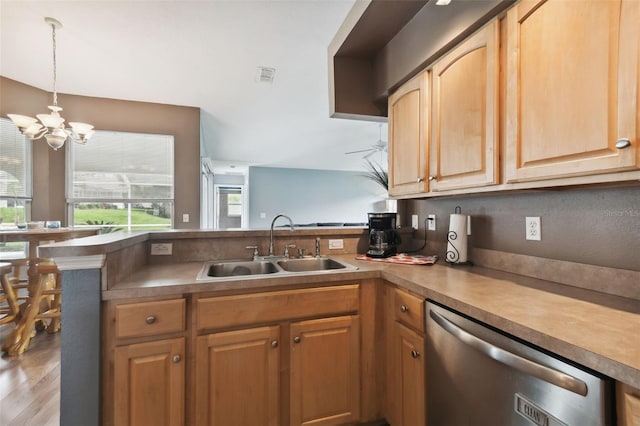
(230, 206)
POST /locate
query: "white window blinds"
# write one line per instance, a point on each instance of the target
(15, 162)
(118, 166)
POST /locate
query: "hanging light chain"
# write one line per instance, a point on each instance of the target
(55, 92)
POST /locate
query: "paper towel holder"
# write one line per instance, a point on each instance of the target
(452, 256)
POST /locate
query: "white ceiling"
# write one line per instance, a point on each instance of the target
(205, 54)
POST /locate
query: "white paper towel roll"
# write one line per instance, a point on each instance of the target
(457, 239)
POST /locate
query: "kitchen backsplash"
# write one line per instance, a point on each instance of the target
(590, 226)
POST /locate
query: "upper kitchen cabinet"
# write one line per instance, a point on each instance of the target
(464, 143)
(571, 88)
(408, 131)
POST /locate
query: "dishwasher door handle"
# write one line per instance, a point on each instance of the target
(517, 362)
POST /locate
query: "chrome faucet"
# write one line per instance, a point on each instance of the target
(273, 222)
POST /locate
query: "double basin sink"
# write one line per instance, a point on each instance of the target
(235, 268)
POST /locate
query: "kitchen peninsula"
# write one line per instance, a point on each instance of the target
(114, 277)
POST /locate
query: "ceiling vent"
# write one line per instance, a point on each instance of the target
(265, 75)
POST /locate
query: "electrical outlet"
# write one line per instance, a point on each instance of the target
(532, 228)
(336, 244)
(185, 218)
(161, 249)
(414, 221)
(431, 222)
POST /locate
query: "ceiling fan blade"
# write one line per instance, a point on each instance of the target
(356, 152)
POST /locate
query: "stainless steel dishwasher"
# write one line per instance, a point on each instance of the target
(477, 376)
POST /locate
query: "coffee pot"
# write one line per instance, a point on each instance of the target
(383, 236)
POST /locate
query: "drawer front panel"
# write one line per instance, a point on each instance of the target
(150, 318)
(247, 309)
(409, 310)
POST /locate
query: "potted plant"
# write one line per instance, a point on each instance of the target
(376, 173)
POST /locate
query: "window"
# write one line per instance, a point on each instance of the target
(229, 207)
(15, 183)
(121, 181)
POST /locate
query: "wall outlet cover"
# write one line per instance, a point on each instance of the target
(414, 221)
(336, 244)
(185, 218)
(161, 249)
(431, 222)
(532, 228)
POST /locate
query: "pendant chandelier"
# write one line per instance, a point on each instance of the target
(51, 126)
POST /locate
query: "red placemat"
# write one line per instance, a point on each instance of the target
(402, 258)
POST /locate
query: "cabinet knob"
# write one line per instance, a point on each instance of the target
(404, 309)
(176, 359)
(432, 178)
(420, 180)
(274, 343)
(150, 319)
(623, 143)
(296, 339)
(415, 354)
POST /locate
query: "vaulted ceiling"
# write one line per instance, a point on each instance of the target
(205, 54)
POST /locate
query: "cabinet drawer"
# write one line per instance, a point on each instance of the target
(150, 318)
(246, 309)
(408, 309)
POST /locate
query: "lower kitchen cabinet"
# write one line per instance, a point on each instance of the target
(144, 362)
(408, 377)
(405, 377)
(628, 408)
(276, 358)
(237, 377)
(325, 371)
(149, 379)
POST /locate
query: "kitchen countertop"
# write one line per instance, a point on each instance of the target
(596, 330)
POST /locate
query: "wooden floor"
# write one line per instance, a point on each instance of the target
(30, 383)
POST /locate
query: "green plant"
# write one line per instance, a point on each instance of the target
(105, 228)
(376, 173)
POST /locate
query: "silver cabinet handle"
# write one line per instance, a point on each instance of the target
(274, 343)
(623, 143)
(419, 180)
(517, 362)
(176, 359)
(404, 309)
(415, 354)
(433, 177)
(150, 319)
(296, 339)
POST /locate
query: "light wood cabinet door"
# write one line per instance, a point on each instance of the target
(325, 371)
(571, 88)
(408, 132)
(237, 377)
(628, 405)
(149, 383)
(464, 142)
(407, 376)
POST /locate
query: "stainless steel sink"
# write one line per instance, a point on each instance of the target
(311, 264)
(238, 268)
(228, 269)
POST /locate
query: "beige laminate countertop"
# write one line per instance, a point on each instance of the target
(596, 330)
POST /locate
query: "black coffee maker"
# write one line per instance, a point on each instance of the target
(383, 237)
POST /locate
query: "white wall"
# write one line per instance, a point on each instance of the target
(310, 196)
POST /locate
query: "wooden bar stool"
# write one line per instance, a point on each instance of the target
(44, 303)
(20, 285)
(9, 307)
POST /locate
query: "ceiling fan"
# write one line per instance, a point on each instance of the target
(379, 146)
